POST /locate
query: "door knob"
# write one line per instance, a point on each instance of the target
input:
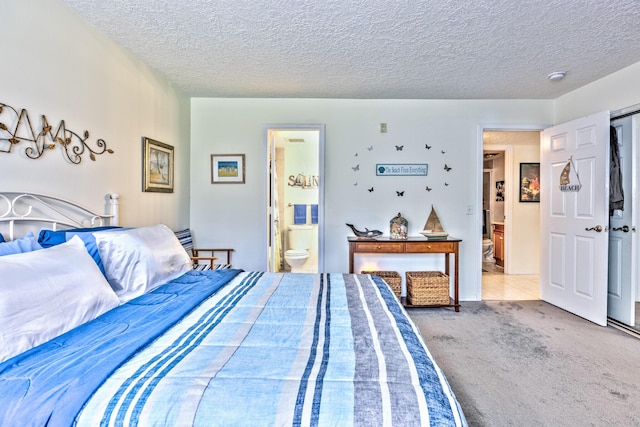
(624, 228)
(597, 228)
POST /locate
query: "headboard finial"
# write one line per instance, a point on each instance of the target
(114, 208)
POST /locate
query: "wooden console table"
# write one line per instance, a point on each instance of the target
(413, 245)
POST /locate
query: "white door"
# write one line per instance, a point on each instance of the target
(574, 169)
(622, 279)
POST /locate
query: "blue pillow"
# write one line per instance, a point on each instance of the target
(1, 238)
(48, 238)
(28, 243)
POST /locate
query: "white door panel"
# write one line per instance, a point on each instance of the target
(574, 156)
(615, 267)
(583, 283)
(557, 253)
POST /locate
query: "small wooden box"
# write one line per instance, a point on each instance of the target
(427, 288)
(392, 278)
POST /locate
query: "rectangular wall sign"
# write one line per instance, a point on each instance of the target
(401, 169)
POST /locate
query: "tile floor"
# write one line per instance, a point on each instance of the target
(498, 286)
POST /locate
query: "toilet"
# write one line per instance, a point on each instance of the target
(487, 250)
(299, 238)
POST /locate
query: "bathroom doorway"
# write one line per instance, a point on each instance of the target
(512, 227)
(295, 165)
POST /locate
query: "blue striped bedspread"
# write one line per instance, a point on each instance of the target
(265, 349)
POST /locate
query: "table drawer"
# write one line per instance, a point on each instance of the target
(373, 247)
(426, 247)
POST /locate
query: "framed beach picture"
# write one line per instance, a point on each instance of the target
(530, 182)
(157, 166)
(227, 168)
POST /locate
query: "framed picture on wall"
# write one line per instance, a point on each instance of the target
(499, 191)
(227, 168)
(530, 182)
(157, 166)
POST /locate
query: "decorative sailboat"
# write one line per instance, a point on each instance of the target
(433, 229)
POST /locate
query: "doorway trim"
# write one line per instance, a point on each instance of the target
(508, 205)
(320, 128)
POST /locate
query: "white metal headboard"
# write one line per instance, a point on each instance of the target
(31, 210)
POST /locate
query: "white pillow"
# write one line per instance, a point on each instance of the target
(141, 259)
(48, 292)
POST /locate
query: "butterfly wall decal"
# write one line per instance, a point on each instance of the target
(442, 151)
(356, 168)
(400, 193)
(446, 184)
(428, 188)
(399, 147)
(427, 146)
(370, 190)
(370, 148)
(355, 155)
(447, 168)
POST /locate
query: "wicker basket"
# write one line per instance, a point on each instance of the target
(427, 288)
(393, 279)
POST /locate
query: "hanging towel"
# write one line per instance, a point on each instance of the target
(299, 214)
(616, 195)
(314, 214)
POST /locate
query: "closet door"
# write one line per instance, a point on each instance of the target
(622, 240)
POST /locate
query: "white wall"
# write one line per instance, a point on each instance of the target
(234, 215)
(55, 64)
(613, 92)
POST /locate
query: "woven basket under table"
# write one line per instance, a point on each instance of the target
(393, 279)
(427, 288)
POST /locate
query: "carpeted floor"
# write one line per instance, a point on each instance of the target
(528, 363)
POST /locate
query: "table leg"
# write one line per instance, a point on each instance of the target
(455, 280)
(351, 248)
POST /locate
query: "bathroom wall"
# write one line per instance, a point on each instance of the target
(301, 164)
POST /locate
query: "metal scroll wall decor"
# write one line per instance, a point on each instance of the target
(20, 130)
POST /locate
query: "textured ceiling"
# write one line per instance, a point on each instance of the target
(376, 49)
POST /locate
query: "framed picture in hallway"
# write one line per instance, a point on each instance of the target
(530, 182)
(499, 191)
(227, 169)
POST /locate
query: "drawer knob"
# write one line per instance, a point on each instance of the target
(379, 247)
(428, 246)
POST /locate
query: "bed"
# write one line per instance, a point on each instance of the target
(175, 346)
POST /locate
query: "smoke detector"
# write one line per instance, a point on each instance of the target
(557, 75)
